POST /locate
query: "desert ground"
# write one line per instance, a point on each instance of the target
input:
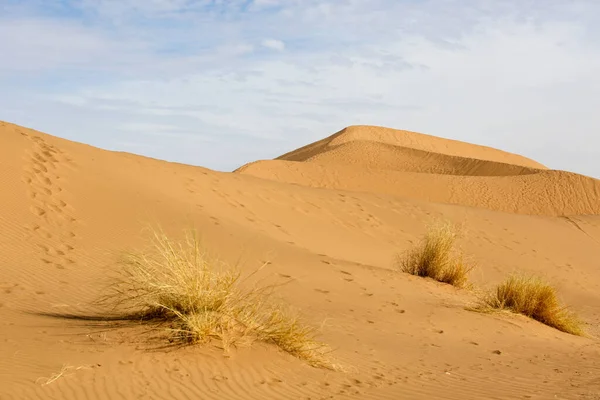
(328, 219)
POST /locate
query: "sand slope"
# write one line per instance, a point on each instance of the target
(541, 193)
(67, 210)
(411, 165)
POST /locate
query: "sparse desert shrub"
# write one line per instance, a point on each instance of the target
(534, 298)
(434, 257)
(203, 299)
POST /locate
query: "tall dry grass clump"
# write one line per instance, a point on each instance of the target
(434, 257)
(534, 298)
(203, 299)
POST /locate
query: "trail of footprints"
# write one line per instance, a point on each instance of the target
(56, 222)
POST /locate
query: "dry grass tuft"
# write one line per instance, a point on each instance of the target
(435, 258)
(534, 298)
(203, 300)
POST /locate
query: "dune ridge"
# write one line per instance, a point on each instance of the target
(409, 140)
(423, 167)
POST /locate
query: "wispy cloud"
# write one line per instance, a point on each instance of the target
(252, 79)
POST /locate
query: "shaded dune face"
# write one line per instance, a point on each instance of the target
(423, 167)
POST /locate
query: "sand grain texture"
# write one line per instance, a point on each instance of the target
(330, 217)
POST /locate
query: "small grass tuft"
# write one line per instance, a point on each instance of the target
(435, 258)
(203, 299)
(534, 298)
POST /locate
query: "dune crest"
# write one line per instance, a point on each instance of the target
(416, 166)
(404, 140)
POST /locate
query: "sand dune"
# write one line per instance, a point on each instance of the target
(382, 156)
(68, 210)
(396, 163)
(541, 193)
(400, 140)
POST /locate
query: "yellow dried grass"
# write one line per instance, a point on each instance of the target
(434, 257)
(203, 300)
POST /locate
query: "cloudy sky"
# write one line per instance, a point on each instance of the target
(219, 83)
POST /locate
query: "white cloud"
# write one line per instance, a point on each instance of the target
(274, 44)
(509, 74)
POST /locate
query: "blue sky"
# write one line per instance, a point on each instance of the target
(221, 83)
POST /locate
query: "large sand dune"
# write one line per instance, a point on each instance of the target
(403, 140)
(412, 165)
(68, 210)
